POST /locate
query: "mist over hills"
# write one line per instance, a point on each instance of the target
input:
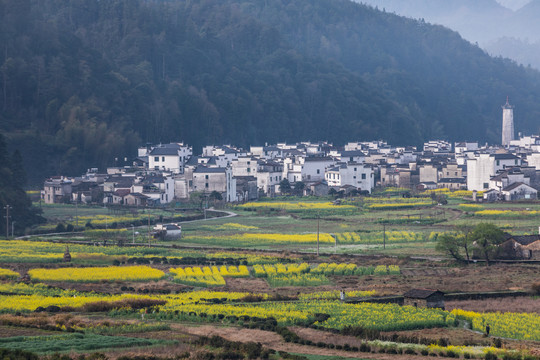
(85, 82)
(502, 31)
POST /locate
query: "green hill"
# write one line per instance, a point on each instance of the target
(85, 81)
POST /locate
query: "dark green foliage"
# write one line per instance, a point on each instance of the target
(487, 237)
(72, 342)
(86, 81)
(12, 179)
(234, 350)
(17, 355)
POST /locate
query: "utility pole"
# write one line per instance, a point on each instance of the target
(148, 230)
(384, 236)
(7, 207)
(13, 229)
(318, 218)
(133, 228)
(77, 211)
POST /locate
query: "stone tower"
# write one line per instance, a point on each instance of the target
(508, 123)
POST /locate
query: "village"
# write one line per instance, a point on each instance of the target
(164, 173)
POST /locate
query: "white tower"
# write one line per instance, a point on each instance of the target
(508, 123)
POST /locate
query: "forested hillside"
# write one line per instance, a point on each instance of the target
(85, 81)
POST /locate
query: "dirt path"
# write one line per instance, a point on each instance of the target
(274, 341)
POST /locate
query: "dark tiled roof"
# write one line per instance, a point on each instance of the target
(317, 158)
(164, 151)
(122, 192)
(525, 239)
(204, 169)
(421, 293)
(505, 156)
(353, 153)
(514, 186)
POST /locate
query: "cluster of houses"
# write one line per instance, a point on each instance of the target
(163, 173)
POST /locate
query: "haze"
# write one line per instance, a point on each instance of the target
(507, 28)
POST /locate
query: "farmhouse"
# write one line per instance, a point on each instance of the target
(424, 298)
(520, 247)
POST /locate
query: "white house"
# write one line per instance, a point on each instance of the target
(269, 175)
(266, 152)
(358, 175)
(169, 157)
(519, 191)
(56, 190)
(159, 189)
(314, 167)
(245, 166)
(209, 179)
(482, 167)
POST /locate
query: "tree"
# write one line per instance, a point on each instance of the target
(285, 186)
(457, 245)
(215, 196)
(486, 237)
(299, 187)
(449, 244)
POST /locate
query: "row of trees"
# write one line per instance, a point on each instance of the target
(483, 239)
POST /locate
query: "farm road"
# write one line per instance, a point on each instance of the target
(274, 341)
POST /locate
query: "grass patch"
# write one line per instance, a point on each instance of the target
(72, 342)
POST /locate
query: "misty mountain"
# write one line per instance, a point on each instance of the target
(85, 82)
(498, 29)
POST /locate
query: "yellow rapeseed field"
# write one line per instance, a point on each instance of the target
(94, 274)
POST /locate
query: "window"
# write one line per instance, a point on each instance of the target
(156, 158)
(498, 162)
(455, 173)
(486, 185)
(206, 185)
(248, 170)
(354, 169)
(163, 158)
(206, 177)
(318, 171)
(354, 177)
(516, 162)
(363, 176)
(190, 184)
(351, 158)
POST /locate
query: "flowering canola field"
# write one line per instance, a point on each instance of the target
(524, 326)
(8, 274)
(207, 276)
(94, 274)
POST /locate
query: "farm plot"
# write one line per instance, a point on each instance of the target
(208, 276)
(96, 274)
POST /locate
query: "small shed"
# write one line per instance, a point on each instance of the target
(168, 231)
(424, 298)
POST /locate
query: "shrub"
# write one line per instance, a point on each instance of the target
(536, 288)
(511, 356)
(442, 342)
(497, 342)
(490, 356)
(364, 347)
